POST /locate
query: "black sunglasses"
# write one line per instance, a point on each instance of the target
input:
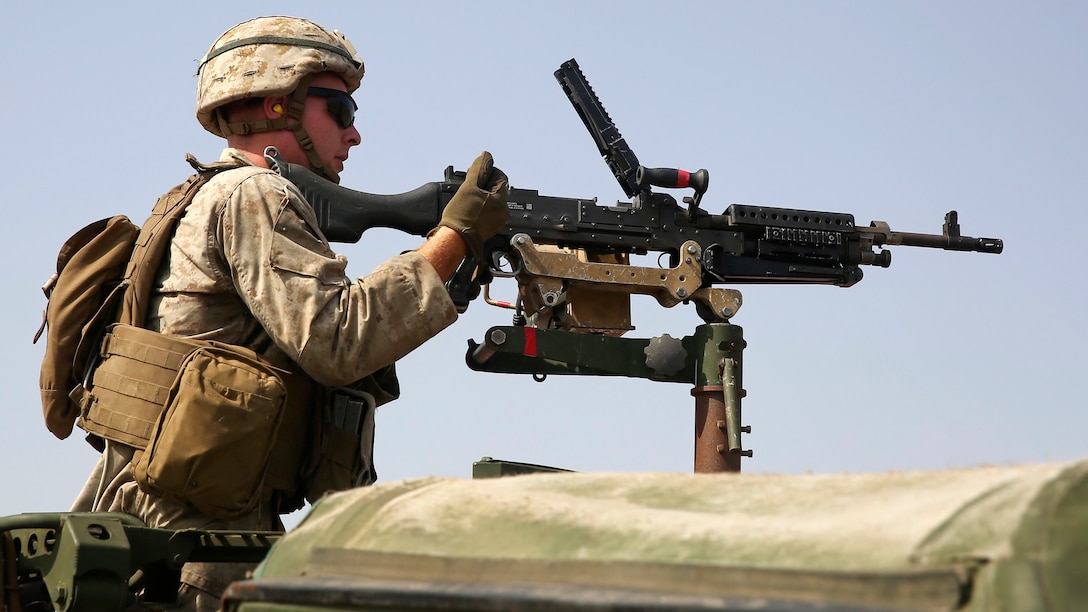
(340, 104)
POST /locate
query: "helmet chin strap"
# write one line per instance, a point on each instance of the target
(295, 106)
(294, 109)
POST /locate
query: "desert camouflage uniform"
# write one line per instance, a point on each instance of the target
(249, 266)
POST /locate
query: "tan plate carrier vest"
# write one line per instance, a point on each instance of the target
(137, 368)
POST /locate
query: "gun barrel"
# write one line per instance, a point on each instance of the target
(946, 242)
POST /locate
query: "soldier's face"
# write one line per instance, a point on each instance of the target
(331, 139)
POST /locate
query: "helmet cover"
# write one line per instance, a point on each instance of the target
(269, 56)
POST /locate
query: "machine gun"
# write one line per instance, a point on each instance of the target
(571, 258)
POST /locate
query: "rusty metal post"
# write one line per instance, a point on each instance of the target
(718, 392)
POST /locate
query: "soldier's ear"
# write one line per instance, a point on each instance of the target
(274, 107)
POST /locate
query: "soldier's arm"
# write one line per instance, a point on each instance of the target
(444, 250)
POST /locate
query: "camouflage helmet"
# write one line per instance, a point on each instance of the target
(269, 56)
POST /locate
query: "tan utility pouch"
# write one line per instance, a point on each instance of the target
(213, 443)
(206, 413)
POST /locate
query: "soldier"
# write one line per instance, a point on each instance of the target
(248, 267)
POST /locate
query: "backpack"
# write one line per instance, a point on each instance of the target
(104, 275)
(90, 268)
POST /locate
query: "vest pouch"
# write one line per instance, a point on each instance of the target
(212, 445)
(345, 444)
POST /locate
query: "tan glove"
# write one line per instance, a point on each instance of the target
(478, 210)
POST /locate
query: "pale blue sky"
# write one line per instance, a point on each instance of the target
(895, 111)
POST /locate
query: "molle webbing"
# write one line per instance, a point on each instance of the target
(132, 384)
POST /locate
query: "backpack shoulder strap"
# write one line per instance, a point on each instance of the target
(155, 235)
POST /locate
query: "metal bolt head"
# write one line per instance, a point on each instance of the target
(498, 336)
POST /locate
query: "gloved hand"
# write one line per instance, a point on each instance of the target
(478, 210)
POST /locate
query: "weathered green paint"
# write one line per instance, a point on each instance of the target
(1008, 537)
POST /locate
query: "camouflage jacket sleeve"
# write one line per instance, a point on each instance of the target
(337, 329)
